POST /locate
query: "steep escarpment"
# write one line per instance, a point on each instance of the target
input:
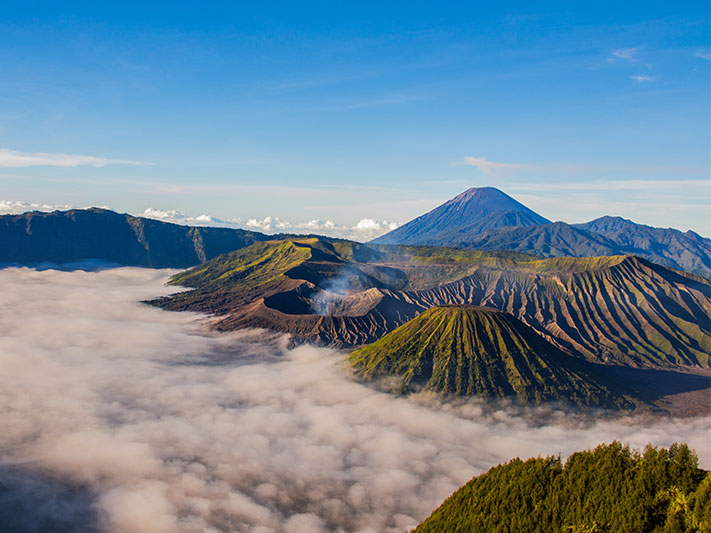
(476, 351)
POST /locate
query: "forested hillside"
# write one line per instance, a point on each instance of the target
(609, 489)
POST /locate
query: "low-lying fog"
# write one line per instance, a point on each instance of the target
(118, 416)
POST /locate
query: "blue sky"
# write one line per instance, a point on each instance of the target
(350, 111)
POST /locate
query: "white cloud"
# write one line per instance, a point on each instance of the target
(625, 54)
(268, 224)
(615, 185)
(12, 158)
(365, 230)
(13, 207)
(176, 217)
(146, 422)
(491, 166)
(369, 228)
(323, 225)
(703, 54)
(643, 77)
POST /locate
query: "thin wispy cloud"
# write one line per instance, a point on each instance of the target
(615, 185)
(496, 167)
(643, 77)
(317, 82)
(15, 159)
(13, 207)
(703, 54)
(625, 54)
(491, 166)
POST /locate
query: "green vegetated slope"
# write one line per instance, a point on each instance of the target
(474, 351)
(237, 278)
(609, 489)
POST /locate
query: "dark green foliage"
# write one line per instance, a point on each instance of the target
(608, 489)
(474, 351)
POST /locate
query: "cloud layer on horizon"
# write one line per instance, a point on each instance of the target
(365, 230)
(158, 425)
(15, 159)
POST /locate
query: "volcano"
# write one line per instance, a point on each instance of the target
(466, 350)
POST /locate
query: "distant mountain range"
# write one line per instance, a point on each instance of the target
(99, 234)
(480, 218)
(488, 219)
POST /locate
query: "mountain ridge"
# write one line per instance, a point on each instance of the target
(75, 235)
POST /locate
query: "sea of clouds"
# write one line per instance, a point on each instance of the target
(117, 416)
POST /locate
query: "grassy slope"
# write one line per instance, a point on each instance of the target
(237, 278)
(468, 351)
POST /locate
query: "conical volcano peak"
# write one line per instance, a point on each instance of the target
(472, 212)
(488, 196)
(485, 200)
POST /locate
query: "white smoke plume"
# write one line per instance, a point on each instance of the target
(121, 417)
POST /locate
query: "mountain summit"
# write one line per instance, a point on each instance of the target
(472, 212)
